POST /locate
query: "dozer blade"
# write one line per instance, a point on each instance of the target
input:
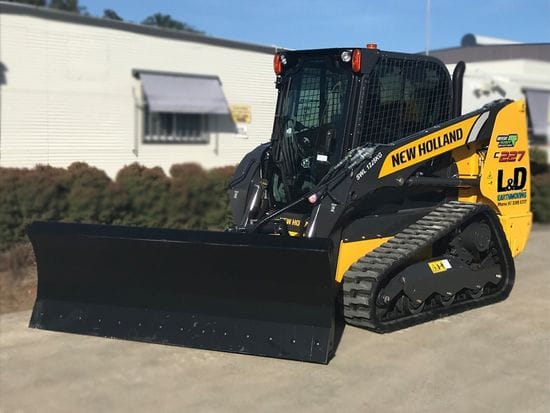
(244, 293)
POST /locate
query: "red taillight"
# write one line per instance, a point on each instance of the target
(356, 60)
(372, 46)
(277, 64)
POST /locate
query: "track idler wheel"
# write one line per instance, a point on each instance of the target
(476, 236)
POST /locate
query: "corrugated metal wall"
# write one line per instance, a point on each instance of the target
(69, 94)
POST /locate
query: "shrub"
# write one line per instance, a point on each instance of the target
(540, 202)
(198, 198)
(187, 192)
(89, 189)
(143, 196)
(219, 214)
(28, 195)
(191, 198)
(539, 161)
(10, 213)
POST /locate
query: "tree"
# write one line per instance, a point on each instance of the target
(67, 5)
(167, 22)
(111, 14)
(31, 2)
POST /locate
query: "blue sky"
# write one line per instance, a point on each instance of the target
(393, 24)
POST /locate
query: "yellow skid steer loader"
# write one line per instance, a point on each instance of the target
(376, 198)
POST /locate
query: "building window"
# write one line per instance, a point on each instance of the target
(164, 127)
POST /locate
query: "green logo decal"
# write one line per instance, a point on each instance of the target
(507, 141)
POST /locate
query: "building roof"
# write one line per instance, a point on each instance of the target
(472, 39)
(46, 13)
(481, 53)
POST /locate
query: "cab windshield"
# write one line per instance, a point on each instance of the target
(310, 118)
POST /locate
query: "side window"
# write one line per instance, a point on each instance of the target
(403, 97)
(321, 99)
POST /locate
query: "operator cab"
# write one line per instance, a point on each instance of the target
(333, 100)
(308, 134)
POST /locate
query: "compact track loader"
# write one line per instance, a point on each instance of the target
(375, 198)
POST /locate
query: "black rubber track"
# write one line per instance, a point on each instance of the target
(364, 280)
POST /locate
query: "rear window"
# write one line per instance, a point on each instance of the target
(403, 97)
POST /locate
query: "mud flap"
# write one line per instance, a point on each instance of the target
(244, 293)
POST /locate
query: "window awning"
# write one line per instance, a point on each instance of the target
(184, 93)
(538, 104)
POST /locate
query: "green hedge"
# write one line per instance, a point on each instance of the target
(539, 161)
(190, 197)
(540, 185)
(540, 202)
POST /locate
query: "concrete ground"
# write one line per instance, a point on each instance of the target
(491, 359)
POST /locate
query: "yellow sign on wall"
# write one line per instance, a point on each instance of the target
(241, 113)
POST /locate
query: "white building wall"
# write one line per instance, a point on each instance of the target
(505, 79)
(69, 95)
(484, 80)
